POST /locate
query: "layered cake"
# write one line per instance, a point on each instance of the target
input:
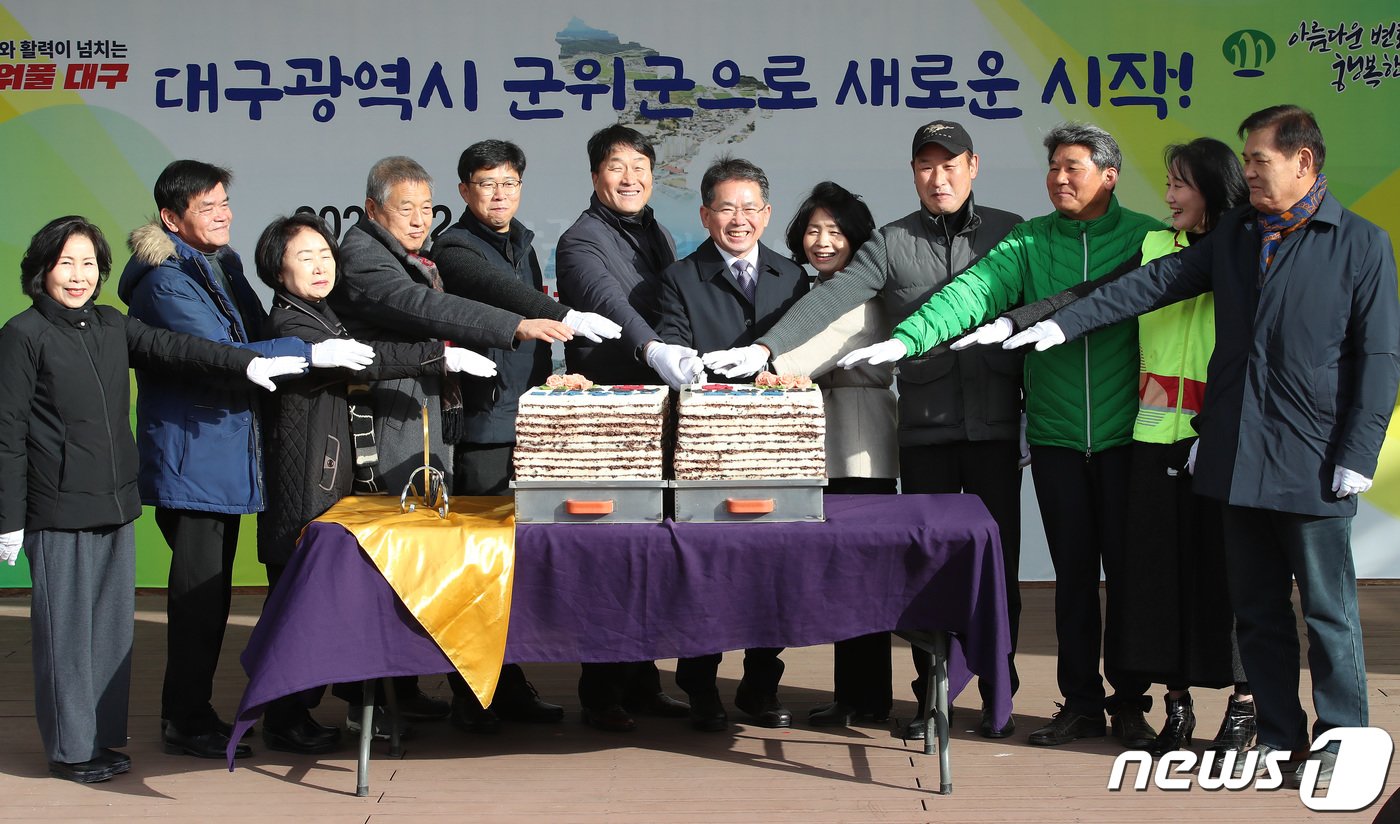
(572, 430)
(735, 432)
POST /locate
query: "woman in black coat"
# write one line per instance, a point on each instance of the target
(308, 444)
(68, 483)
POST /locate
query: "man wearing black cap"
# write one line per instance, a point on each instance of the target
(959, 414)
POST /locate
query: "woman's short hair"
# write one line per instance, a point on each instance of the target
(851, 214)
(272, 244)
(1213, 169)
(46, 247)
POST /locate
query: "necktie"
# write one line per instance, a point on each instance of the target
(745, 278)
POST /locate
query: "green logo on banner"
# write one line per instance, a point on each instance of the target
(1248, 50)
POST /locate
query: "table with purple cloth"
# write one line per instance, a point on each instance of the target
(636, 592)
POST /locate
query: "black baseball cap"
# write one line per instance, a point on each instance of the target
(946, 133)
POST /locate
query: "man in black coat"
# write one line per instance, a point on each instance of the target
(610, 262)
(725, 294)
(1299, 392)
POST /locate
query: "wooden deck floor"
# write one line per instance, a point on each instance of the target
(661, 773)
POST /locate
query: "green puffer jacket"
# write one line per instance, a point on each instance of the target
(1081, 395)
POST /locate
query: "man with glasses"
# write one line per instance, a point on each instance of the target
(725, 294)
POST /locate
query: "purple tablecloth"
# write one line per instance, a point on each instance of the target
(634, 592)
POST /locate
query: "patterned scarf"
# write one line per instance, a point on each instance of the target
(453, 416)
(1273, 228)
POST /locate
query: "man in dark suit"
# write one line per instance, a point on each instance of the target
(725, 294)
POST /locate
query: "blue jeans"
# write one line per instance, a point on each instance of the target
(1264, 551)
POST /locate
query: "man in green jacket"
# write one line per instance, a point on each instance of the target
(1079, 406)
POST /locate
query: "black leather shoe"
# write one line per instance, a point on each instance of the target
(1066, 726)
(765, 711)
(1326, 761)
(834, 714)
(1237, 728)
(120, 761)
(420, 706)
(988, 728)
(528, 708)
(83, 772)
(916, 730)
(659, 705)
(612, 718)
(470, 716)
(1131, 728)
(306, 737)
(707, 713)
(220, 725)
(1180, 726)
(212, 744)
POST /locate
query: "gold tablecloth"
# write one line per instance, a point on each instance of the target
(454, 575)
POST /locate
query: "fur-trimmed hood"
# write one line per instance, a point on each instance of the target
(151, 244)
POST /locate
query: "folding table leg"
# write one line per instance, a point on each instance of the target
(392, 700)
(940, 681)
(366, 737)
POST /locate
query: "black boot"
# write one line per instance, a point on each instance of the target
(1237, 728)
(1181, 724)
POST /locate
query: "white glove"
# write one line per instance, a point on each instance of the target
(10, 544)
(465, 360)
(1044, 335)
(738, 363)
(1025, 445)
(1191, 457)
(884, 352)
(994, 332)
(694, 367)
(591, 325)
(262, 370)
(1345, 482)
(677, 365)
(342, 352)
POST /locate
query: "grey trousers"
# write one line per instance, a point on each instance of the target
(84, 605)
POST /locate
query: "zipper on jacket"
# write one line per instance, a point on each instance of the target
(106, 420)
(1088, 407)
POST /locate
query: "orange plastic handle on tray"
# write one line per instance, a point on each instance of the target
(749, 506)
(588, 507)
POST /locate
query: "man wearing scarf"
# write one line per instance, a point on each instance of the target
(1298, 395)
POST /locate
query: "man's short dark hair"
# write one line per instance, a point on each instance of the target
(387, 173)
(185, 180)
(272, 244)
(1103, 149)
(603, 141)
(1294, 129)
(488, 154)
(851, 214)
(726, 168)
(47, 246)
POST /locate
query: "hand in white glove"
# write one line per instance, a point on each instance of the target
(884, 352)
(1191, 457)
(738, 363)
(342, 352)
(1345, 482)
(10, 544)
(465, 360)
(1044, 335)
(593, 326)
(994, 332)
(693, 367)
(1025, 445)
(262, 370)
(668, 360)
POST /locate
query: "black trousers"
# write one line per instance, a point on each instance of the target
(629, 684)
(991, 471)
(763, 669)
(861, 666)
(1084, 504)
(202, 546)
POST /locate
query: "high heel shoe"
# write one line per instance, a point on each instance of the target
(1181, 724)
(1237, 728)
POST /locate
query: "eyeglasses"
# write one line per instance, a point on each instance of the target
(728, 212)
(489, 187)
(407, 211)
